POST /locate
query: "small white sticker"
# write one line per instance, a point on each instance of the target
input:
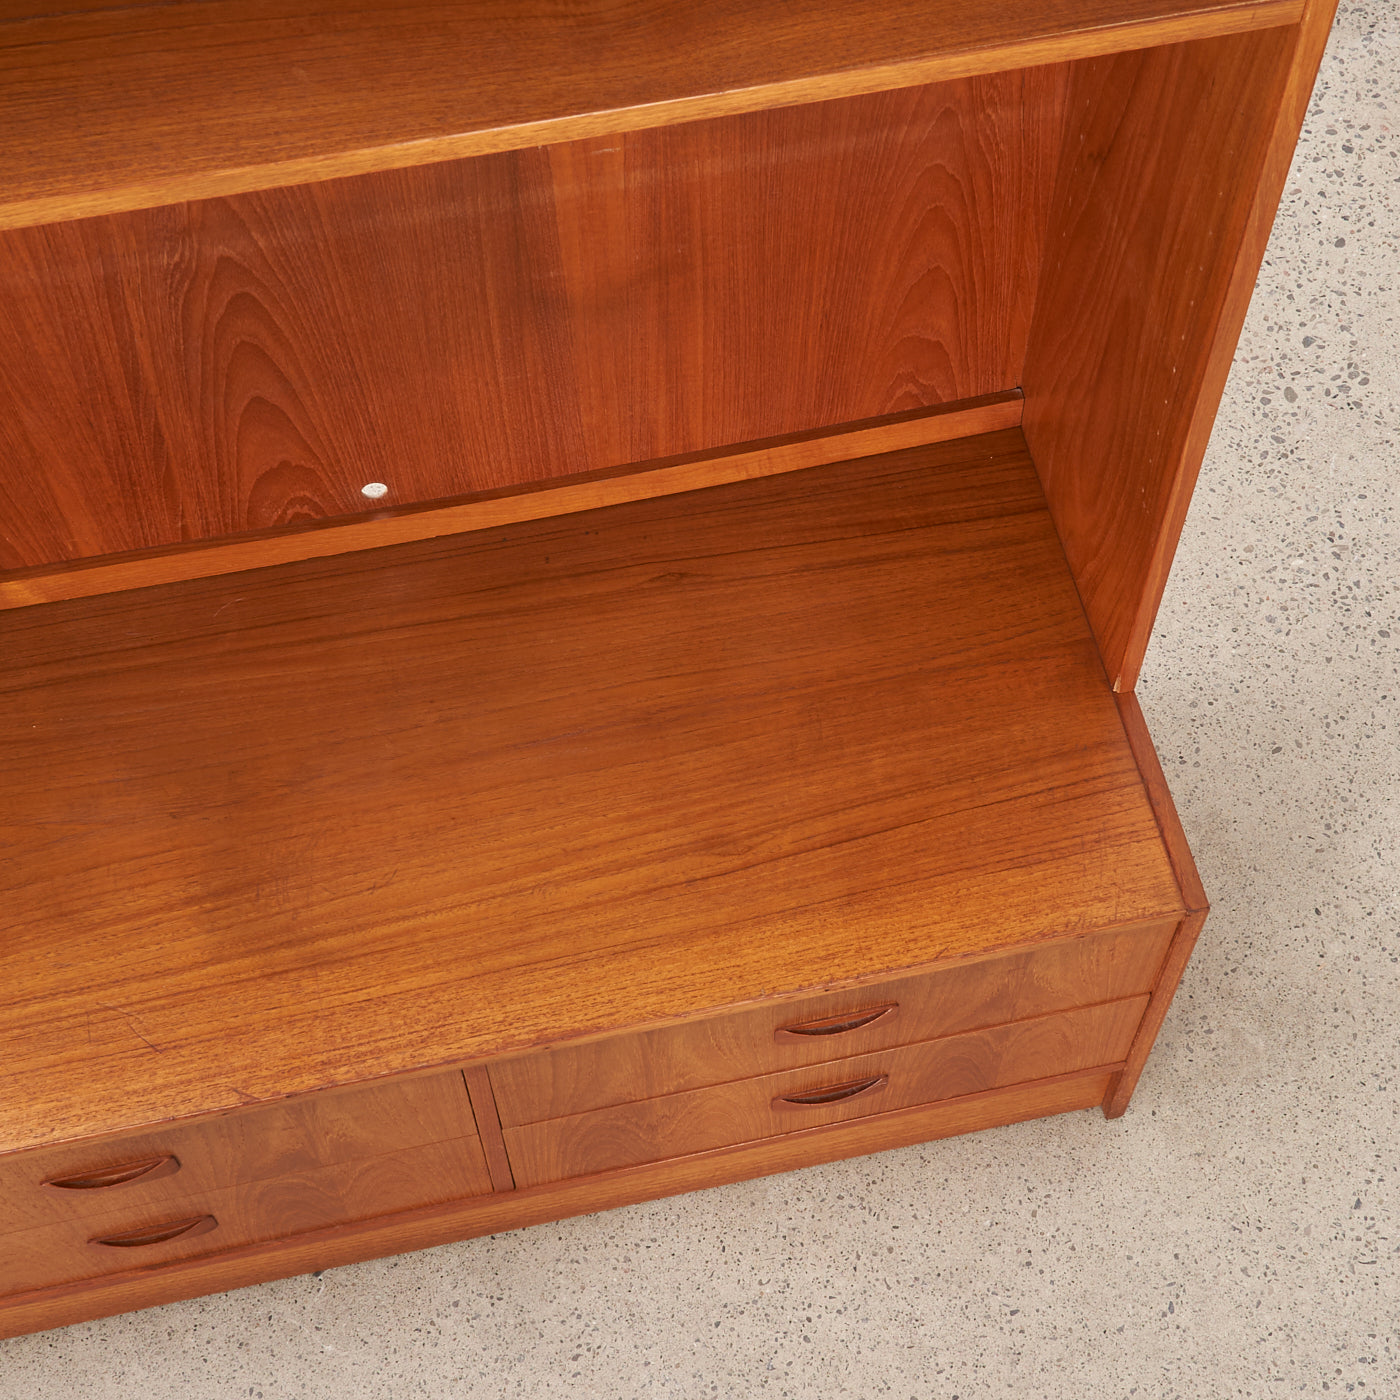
(374, 490)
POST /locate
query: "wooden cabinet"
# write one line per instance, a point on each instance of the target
(570, 637)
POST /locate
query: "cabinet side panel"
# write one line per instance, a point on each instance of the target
(253, 362)
(1174, 162)
(1193, 896)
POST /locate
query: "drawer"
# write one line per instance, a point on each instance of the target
(780, 1035)
(770, 1105)
(250, 1213)
(149, 1170)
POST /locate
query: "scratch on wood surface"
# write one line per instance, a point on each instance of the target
(130, 1024)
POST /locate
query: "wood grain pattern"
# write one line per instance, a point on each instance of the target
(1193, 893)
(207, 369)
(615, 770)
(648, 1064)
(1161, 210)
(134, 106)
(1243, 272)
(486, 510)
(488, 1123)
(701, 1120)
(487, 1215)
(680, 770)
(247, 1144)
(246, 1214)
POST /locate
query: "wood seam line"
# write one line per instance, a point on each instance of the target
(1192, 893)
(488, 1125)
(532, 501)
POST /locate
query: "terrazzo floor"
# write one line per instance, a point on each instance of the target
(1236, 1234)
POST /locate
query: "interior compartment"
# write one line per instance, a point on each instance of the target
(354, 816)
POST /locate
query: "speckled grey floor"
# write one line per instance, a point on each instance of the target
(1236, 1234)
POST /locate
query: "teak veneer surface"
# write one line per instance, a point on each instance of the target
(1174, 162)
(208, 369)
(268, 1209)
(230, 1149)
(347, 817)
(746, 1110)
(1193, 895)
(121, 107)
(486, 1215)
(967, 996)
(485, 510)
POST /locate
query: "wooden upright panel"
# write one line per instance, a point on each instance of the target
(240, 364)
(1159, 223)
(1193, 894)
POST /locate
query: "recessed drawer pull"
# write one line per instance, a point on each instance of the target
(837, 1025)
(837, 1093)
(159, 1234)
(148, 1170)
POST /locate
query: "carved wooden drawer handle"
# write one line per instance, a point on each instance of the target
(159, 1234)
(837, 1093)
(148, 1170)
(837, 1025)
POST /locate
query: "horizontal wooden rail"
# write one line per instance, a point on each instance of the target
(490, 509)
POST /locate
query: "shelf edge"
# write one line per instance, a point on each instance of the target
(491, 509)
(23, 211)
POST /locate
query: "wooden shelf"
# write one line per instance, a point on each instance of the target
(486, 510)
(356, 816)
(131, 106)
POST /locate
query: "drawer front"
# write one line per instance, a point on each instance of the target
(904, 1076)
(781, 1035)
(150, 1170)
(251, 1213)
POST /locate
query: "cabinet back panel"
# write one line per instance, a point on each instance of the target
(226, 365)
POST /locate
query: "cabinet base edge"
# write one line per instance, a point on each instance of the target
(84, 1301)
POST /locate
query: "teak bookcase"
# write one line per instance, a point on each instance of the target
(709, 746)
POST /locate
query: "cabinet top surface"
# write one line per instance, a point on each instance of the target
(109, 106)
(292, 828)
